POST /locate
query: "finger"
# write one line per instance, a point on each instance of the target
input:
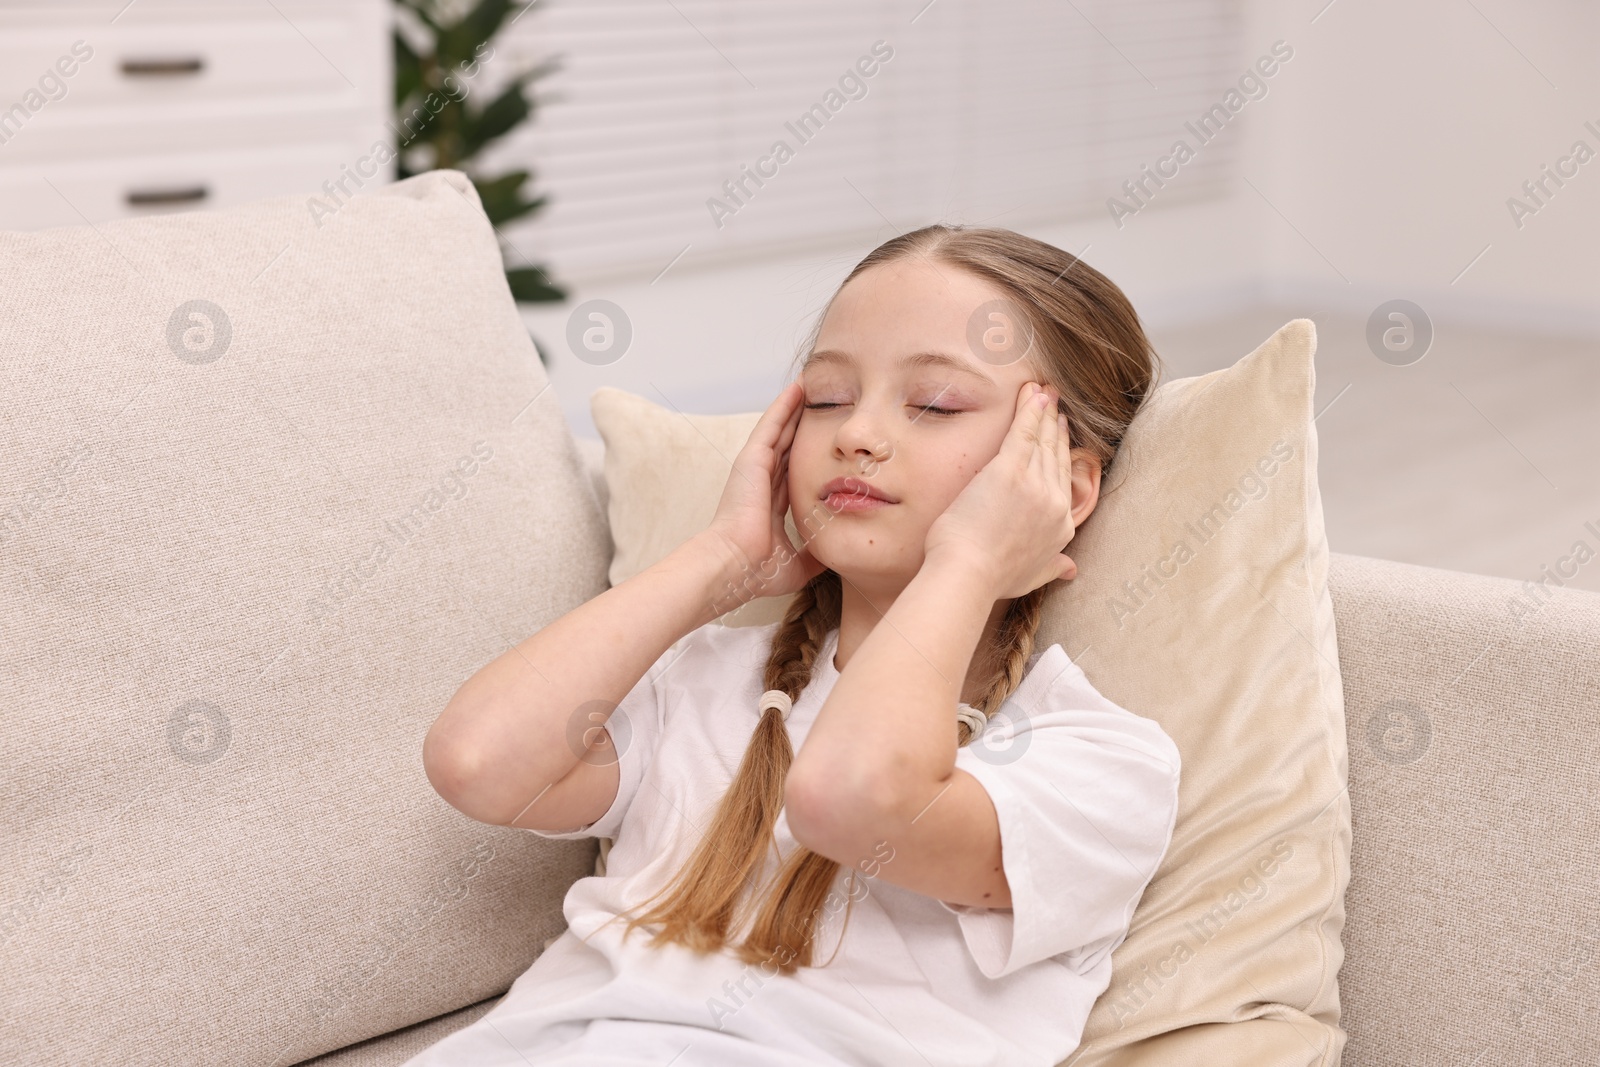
(1036, 424)
(780, 497)
(780, 445)
(1061, 466)
(780, 477)
(1049, 434)
(1065, 449)
(773, 420)
(1021, 440)
(1069, 568)
(780, 480)
(791, 424)
(781, 483)
(1025, 395)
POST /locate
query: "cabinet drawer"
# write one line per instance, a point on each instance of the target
(201, 62)
(36, 197)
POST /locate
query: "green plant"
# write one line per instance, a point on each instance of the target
(438, 127)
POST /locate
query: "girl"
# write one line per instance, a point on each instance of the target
(885, 830)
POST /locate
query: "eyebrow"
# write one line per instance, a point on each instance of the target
(916, 360)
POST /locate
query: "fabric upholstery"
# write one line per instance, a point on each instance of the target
(1201, 602)
(1473, 933)
(398, 1046)
(248, 550)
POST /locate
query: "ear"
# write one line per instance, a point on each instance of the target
(1086, 473)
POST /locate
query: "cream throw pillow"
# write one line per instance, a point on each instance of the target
(1202, 602)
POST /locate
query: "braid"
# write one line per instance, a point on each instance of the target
(702, 901)
(814, 612)
(1013, 645)
(785, 926)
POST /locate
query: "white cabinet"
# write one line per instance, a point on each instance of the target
(115, 109)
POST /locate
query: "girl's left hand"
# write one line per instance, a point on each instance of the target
(1015, 516)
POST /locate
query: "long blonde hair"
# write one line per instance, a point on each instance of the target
(1088, 343)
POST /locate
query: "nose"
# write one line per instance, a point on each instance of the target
(861, 435)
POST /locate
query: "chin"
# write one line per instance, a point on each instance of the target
(852, 556)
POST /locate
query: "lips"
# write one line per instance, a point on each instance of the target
(854, 487)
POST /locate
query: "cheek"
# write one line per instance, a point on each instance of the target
(803, 460)
(804, 449)
(939, 477)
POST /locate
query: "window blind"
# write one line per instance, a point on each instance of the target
(1001, 113)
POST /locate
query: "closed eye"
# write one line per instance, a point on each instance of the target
(919, 407)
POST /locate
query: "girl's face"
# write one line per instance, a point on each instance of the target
(898, 397)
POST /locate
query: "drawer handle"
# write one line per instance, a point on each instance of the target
(136, 197)
(162, 68)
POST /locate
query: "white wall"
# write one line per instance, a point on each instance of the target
(1405, 128)
(1377, 166)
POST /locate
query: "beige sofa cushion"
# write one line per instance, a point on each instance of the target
(398, 1046)
(246, 557)
(1201, 602)
(1474, 924)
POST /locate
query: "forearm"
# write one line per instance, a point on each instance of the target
(889, 723)
(523, 721)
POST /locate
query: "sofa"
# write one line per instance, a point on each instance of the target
(275, 488)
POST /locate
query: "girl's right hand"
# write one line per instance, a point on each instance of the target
(749, 520)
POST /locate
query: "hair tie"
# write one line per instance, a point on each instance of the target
(974, 718)
(777, 698)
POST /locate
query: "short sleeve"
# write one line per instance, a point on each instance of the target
(1087, 797)
(635, 726)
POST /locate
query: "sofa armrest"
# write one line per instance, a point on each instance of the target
(1473, 708)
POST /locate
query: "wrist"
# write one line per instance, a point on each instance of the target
(966, 568)
(716, 564)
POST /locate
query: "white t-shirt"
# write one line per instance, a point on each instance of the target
(1086, 793)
